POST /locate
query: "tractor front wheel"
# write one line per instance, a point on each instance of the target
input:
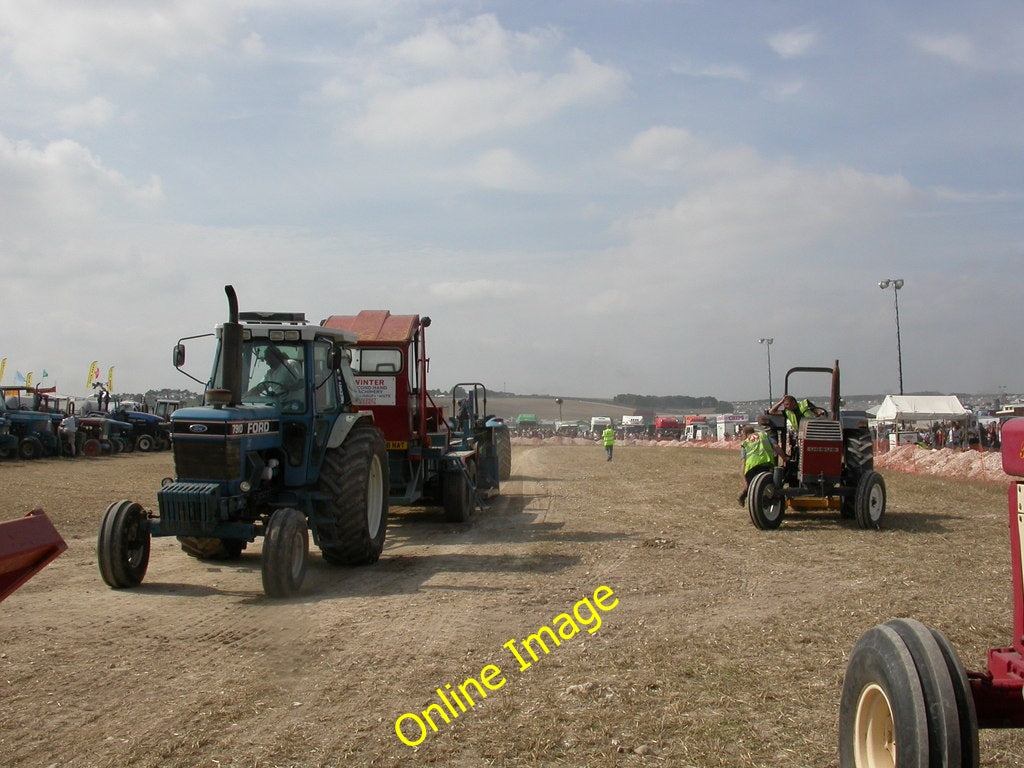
(457, 495)
(123, 545)
(144, 443)
(766, 508)
(882, 718)
(285, 553)
(503, 447)
(30, 448)
(869, 500)
(355, 482)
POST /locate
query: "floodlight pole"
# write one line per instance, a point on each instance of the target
(768, 344)
(896, 284)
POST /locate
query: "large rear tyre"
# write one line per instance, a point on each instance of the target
(937, 688)
(203, 548)
(355, 479)
(869, 500)
(123, 546)
(285, 553)
(457, 495)
(503, 447)
(765, 508)
(882, 717)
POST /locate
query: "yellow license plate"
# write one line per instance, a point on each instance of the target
(398, 445)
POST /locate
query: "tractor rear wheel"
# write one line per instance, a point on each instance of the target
(92, 447)
(203, 548)
(355, 480)
(285, 553)
(883, 721)
(144, 442)
(503, 447)
(766, 509)
(869, 500)
(123, 545)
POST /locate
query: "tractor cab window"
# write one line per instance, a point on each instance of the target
(369, 360)
(274, 372)
(324, 383)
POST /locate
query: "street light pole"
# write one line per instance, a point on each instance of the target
(768, 344)
(896, 284)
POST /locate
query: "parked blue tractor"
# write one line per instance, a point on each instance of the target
(279, 451)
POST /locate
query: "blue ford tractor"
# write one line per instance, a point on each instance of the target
(278, 451)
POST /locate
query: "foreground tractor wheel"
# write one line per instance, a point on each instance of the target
(92, 448)
(967, 716)
(123, 546)
(869, 500)
(212, 549)
(766, 510)
(355, 480)
(882, 717)
(457, 495)
(285, 553)
(503, 446)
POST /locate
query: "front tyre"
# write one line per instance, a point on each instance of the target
(285, 553)
(766, 508)
(869, 500)
(123, 546)
(503, 447)
(355, 481)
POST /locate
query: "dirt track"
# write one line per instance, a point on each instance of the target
(726, 648)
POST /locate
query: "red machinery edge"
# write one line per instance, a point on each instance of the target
(27, 545)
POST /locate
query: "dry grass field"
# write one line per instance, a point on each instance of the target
(720, 645)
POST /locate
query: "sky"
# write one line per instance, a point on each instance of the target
(587, 198)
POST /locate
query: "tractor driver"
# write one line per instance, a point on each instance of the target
(283, 373)
(795, 412)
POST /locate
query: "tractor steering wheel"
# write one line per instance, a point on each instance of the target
(270, 388)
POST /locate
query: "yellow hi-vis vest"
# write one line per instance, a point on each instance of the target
(608, 436)
(757, 449)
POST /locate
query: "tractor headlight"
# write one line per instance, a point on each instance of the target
(245, 486)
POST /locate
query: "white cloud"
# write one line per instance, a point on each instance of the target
(96, 112)
(953, 47)
(503, 169)
(464, 81)
(58, 45)
(793, 43)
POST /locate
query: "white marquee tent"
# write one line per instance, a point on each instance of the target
(911, 408)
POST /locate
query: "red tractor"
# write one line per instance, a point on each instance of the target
(907, 699)
(452, 462)
(829, 465)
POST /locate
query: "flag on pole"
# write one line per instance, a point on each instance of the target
(19, 377)
(45, 374)
(94, 373)
(28, 379)
(3, 367)
(110, 379)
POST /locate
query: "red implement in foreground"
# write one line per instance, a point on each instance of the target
(908, 700)
(27, 545)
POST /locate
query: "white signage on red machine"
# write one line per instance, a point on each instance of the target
(375, 390)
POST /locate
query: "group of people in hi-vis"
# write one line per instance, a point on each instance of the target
(759, 452)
